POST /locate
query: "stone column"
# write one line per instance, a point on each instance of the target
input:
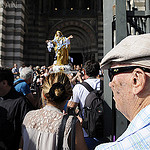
(2, 30)
(14, 32)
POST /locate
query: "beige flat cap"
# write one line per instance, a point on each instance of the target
(133, 49)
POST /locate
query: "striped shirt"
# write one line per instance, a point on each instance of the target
(136, 137)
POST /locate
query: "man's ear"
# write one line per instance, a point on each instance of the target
(139, 80)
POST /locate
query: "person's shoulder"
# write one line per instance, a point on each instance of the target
(108, 146)
(29, 116)
(13, 94)
(22, 100)
(22, 83)
(78, 86)
(92, 81)
(69, 123)
(20, 86)
(18, 80)
(36, 113)
(16, 98)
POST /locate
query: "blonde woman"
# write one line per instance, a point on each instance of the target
(40, 127)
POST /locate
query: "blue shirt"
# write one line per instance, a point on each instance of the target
(136, 137)
(22, 87)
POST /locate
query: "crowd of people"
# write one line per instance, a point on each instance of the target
(30, 123)
(32, 81)
(75, 75)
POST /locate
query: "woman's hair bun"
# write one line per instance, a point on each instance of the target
(57, 91)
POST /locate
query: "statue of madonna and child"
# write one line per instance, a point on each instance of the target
(61, 47)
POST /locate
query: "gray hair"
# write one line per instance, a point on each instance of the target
(26, 73)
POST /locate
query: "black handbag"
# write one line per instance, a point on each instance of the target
(62, 129)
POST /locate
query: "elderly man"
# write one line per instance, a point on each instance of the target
(128, 67)
(13, 108)
(22, 84)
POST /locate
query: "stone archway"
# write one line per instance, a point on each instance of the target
(77, 58)
(84, 41)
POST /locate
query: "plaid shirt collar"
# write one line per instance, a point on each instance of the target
(141, 120)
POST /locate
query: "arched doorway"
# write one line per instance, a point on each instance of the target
(77, 58)
(84, 40)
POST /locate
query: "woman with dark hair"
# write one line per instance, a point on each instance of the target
(40, 127)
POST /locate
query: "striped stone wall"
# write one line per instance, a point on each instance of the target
(2, 30)
(35, 36)
(100, 36)
(12, 32)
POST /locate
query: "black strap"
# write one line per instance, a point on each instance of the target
(61, 132)
(18, 82)
(62, 129)
(87, 86)
(73, 126)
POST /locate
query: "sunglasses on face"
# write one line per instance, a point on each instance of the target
(114, 71)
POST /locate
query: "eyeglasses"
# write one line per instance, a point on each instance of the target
(114, 71)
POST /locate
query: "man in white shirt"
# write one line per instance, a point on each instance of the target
(80, 93)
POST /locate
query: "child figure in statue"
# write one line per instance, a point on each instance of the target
(61, 46)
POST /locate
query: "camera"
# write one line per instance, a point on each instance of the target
(71, 111)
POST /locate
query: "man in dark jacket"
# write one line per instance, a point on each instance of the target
(13, 108)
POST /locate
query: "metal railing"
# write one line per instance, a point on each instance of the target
(137, 17)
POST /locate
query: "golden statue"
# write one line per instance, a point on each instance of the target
(61, 46)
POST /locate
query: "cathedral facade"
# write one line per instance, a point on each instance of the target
(26, 25)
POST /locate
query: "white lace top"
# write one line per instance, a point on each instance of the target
(40, 129)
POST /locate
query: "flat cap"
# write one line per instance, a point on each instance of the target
(134, 49)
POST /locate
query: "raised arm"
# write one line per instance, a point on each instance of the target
(47, 41)
(70, 37)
